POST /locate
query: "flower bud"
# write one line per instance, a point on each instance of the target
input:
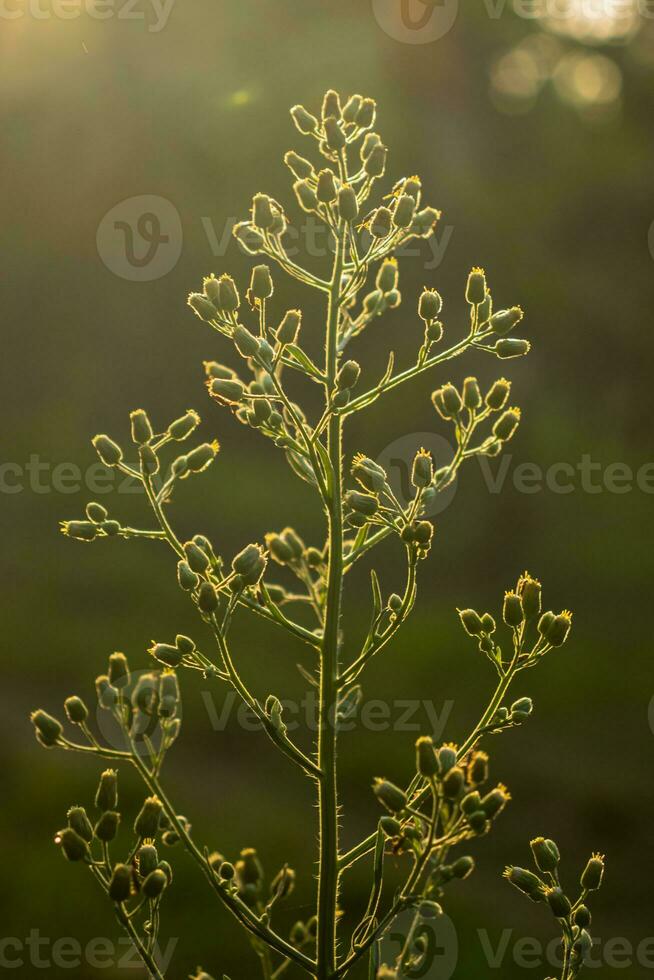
(109, 452)
(545, 622)
(118, 670)
(495, 801)
(251, 240)
(511, 347)
(106, 797)
(261, 284)
(120, 886)
(351, 108)
(390, 795)
(558, 902)
(76, 711)
(559, 629)
(404, 211)
(196, 558)
(334, 135)
(229, 300)
(227, 871)
(362, 503)
(246, 343)
(207, 598)
(289, 328)
(476, 287)
(451, 399)
(182, 427)
(73, 846)
(348, 207)
(331, 104)
(96, 512)
(250, 564)
(249, 868)
(107, 826)
(390, 826)
(348, 375)
(106, 692)
(141, 427)
(505, 320)
(424, 222)
(498, 394)
(279, 549)
(186, 577)
(507, 424)
(48, 729)
(529, 590)
(365, 116)
(395, 602)
(593, 873)
(521, 709)
(426, 761)
(262, 213)
(513, 612)
(80, 823)
(211, 288)
(582, 946)
(326, 189)
(283, 883)
(375, 162)
(462, 867)
(447, 755)
(471, 393)
(168, 695)
(228, 390)
(298, 166)
(423, 469)
(429, 305)
(471, 622)
(546, 854)
(380, 224)
(477, 770)
(147, 859)
(148, 460)
(526, 882)
(305, 121)
(386, 279)
(154, 884)
(582, 917)
(369, 474)
(306, 195)
(202, 306)
(453, 782)
(147, 821)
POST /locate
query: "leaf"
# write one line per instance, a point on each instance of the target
(349, 702)
(376, 595)
(297, 354)
(389, 369)
(300, 467)
(307, 676)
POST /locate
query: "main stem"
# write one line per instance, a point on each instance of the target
(328, 790)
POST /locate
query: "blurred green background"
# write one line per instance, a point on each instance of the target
(534, 136)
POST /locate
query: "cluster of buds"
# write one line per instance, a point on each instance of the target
(493, 326)
(246, 878)
(467, 408)
(200, 574)
(545, 887)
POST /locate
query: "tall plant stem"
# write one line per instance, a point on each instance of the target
(328, 790)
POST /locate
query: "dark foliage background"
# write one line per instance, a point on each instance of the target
(552, 194)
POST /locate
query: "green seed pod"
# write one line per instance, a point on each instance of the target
(478, 768)
(404, 211)
(521, 709)
(389, 795)
(447, 756)
(426, 761)
(334, 135)
(495, 801)
(227, 390)
(96, 512)
(246, 343)
(375, 162)
(154, 884)
(141, 427)
(279, 549)
(168, 695)
(424, 531)
(348, 207)
(451, 399)
(213, 369)
(228, 295)
(147, 859)
(288, 329)
(106, 797)
(227, 871)
(369, 474)
(505, 320)
(471, 803)
(247, 560)
(73, 846)
(454, 782)
(187, 578)
(511, 347)
(106, 692)
(294, 542)
(207, 598)
(48, 729)
(476, 287)
(196, 558)
(120, 886)
(434, 331)
(429, 305)
(390, 826)
(582, 917)
(179, 467)
(202, 456)
(110, 528)
(306, 196)
(261, 284)
(545, 623)
(488, 623)
(80, 530)
(202, 306)
(147, 821)
(262, 212)
(395, 602)
(529, 590)
(184, 644)
(381, 223)
(80, 823)
(386, 279)
(471, 393)
(558, 902)
(424, 221)
(463, 867)
(559, 629)
(118, 670)
(348, 375)
(593, 873)
(249, 868)
(76, 711)
(107, 826)
(365, 115)
(393, 299)
(331, 104)
(471, 622)
(546, 854)
(182, 427)
(513, 612)
(326, 189)
(109, 451)
(298, 166)
(507, 424)
(351, 108)
(362, 503)
(148, 460)
(526, 882)
(305, 121)
(211, 288)
(498, 394)
(423, 469)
